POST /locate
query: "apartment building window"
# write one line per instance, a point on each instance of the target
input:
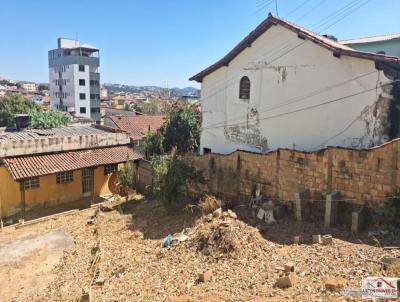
(82, 109)
(82, 82)
(64, 177)
(95, 110)
(94, 83)
(82, 96)
(92, 96)
(81, 67)
(108, 169)
(30, 183)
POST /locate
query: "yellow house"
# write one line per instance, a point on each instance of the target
(51, 179)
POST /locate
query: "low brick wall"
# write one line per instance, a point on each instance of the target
(365, 177)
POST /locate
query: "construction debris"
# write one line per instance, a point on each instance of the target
(288, 280)
(246, 265)
(206, 276)
(327, 239)
(335, 283)
(316, 239)
(289, 267)
(298, 239)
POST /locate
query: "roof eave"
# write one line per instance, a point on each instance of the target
(303, 34)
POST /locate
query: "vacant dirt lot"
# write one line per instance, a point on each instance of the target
(53, 261)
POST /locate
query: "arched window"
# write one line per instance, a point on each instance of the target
(244, 88)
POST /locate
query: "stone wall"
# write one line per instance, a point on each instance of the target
(364, 177)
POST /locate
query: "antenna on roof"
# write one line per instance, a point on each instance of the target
(276, 8)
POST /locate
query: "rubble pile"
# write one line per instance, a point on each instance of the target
(214, 257)
(222, 235)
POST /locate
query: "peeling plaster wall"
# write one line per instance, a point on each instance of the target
(306, 76)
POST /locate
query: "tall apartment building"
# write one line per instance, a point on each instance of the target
(74, 78)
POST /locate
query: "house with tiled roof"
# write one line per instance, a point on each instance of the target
(137, 126)
(386, 44)
(42, 168)
(284, 86)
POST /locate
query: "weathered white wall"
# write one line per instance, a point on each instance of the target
(72, 88)
(230, 123)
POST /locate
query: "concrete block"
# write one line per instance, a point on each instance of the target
(206, 276)
(86, 295)
(260, 214)
(331, 206)
(327, 240)
(298, 239)
(289, 267)
(335, 284)
(357, 220)
(316, 239)
(286, 281)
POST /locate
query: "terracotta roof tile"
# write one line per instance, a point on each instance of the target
(303, 34)
(138, 125)
(46, 164)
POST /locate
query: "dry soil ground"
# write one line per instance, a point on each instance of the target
(53, 260)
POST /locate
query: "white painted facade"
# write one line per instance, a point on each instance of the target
(71, 88)
(307, 75)
(29, 87)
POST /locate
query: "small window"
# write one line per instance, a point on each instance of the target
(244, 88)
(81, 82)
(30, 183)
(82, 109)
(64, 177)
(81, 67)
(95, 110)
(206, 150)
(82, 96)
(108, 169)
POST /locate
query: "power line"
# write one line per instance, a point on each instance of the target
(303, 97)
(283, 47)
(296, 8)
(312, 106)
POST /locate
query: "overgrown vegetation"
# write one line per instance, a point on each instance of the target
(17, 104)
(126, 177)
(181, 132)
(48, 119)
(173, 178)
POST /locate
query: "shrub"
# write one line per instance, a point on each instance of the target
(172, 178)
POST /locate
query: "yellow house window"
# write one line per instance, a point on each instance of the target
(64, 177)
(30, 183)
(108, 169)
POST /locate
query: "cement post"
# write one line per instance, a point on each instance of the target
(302, 210)
(331, 206)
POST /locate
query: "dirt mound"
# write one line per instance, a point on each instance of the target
(222, 236)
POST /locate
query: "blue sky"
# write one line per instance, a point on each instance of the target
(160, 42)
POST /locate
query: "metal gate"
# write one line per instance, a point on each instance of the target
(87, 179)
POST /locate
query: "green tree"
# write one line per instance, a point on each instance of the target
(181, 132)
(126, 177)
(17, 104)
(12, 105)
(127, 107)
(153, 144)
(172, 179)
(48, 119)
(42, 87)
